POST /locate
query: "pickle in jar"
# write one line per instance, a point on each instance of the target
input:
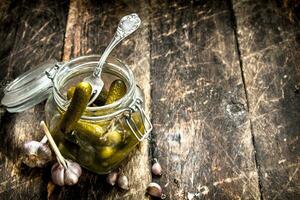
(70, 92)
(106, 152)
(116, 91)
(80, 99)
(119, 152)
(113, 138)
(89, 132)
(86, 155)
(101, 99)
(68, 149)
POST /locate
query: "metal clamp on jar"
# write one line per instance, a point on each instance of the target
(104, 135)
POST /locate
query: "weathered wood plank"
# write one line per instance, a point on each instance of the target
(9, 18)
(202, 134)
(8, 15)
(91, 25)
(268, 34)
(31, 32)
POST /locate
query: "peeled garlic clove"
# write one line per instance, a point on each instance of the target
(112, 178)
(154, 190)
(156, 168)
(58, 174)
(123, 182)
(36, 154)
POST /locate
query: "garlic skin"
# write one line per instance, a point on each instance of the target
(156, 168)
(68, 176)
(155, 190)
(112, 178)
(36, 154)
(57, 174)
(72, 173)
(123, 182)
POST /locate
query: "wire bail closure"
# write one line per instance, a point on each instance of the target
(50, 73)
(132, 125)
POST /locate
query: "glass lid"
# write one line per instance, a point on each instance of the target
(30, 88)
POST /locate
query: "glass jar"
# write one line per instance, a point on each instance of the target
(105, 135)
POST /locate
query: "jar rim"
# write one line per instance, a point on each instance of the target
(123, 70)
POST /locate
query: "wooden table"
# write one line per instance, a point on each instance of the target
(222, 86)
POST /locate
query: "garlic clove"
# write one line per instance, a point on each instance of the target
(156, 168)
(112, 178)
(57, 174)
(44, 152)
(70, 177)
(154, 190)
(74, 167)
(123, 182)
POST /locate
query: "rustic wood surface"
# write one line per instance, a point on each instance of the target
(202, 134)
(31, 32)
(222, 87)
(269, 40)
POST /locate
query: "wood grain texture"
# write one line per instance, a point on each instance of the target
(202, 134)
(8, 15)
(31, 32)
(269, 38)
(210, 101)
(91, 25)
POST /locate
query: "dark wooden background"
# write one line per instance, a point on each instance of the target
(222, 85)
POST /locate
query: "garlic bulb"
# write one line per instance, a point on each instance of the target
(68, 176)
(65, 172)
(112, 178)
(123, 182)
(36, 154)
(155, 190)
(156, 168)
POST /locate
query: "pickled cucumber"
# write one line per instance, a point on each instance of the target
(106, 152)
(114, 138)
(116, 91)
(68, 149)
(89, 132)
(80, 99)
(101, 99)
(138, 121)
(86, 155)
(70, 92)
(118, 154)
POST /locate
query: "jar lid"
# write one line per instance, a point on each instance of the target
(30, 88)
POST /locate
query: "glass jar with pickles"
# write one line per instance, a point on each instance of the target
(98, 136)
